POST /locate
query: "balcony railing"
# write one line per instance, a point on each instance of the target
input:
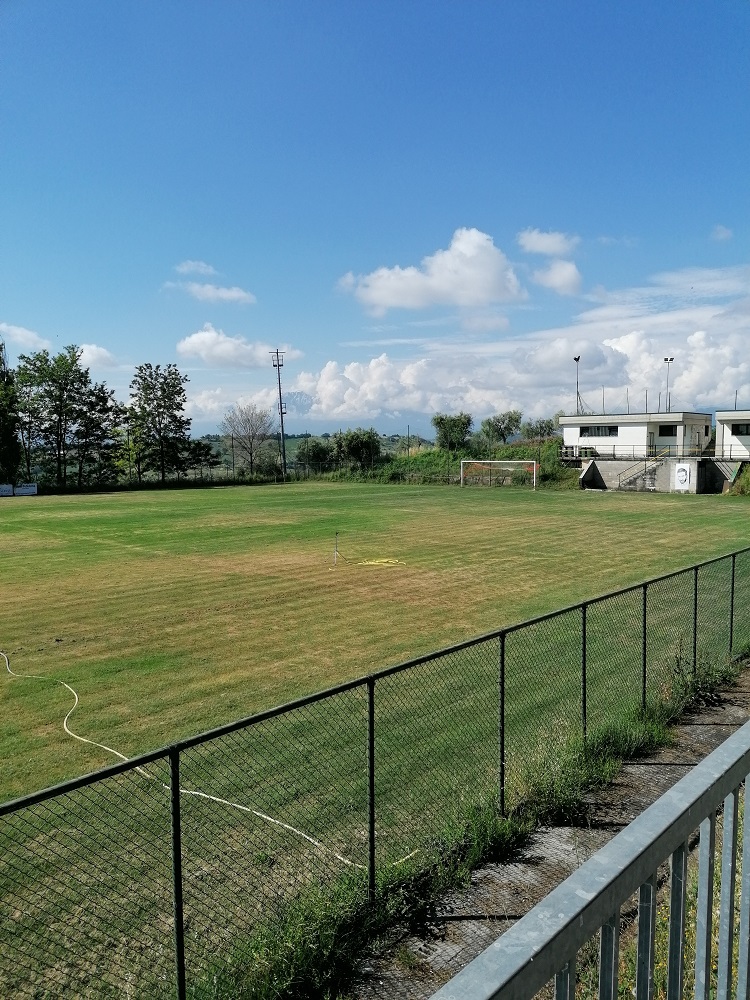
(545, 943)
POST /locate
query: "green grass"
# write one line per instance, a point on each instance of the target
(174, 612)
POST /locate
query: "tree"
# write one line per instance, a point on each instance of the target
(250, 426)
(157, 422)
(52, 397)
(502, 426)
(201, 455)
(361, 446)
(452, 429)
(542, 428)
(98, 436)
(317, 453)
(10, 443)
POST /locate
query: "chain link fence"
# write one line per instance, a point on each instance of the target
(173, 874)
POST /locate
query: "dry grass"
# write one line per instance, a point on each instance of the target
(170, 613)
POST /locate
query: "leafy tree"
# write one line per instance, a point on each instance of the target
(361, 446)
(542, 428)
(452, 429)
(158, 426)
(502, 426)
(10, 443)
(98, 436)
(53, 391)
(316, 453)
(250, 426)
(201, 455)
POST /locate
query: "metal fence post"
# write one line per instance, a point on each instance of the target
(695, 618)
(731, 605)
(644, 650)
(371, 788)
(179, 922)
(584, 606)
(502, 723)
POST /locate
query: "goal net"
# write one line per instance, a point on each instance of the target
(497, 472)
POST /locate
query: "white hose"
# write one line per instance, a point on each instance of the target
(186, 791)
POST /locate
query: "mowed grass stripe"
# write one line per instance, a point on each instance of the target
(182, 610)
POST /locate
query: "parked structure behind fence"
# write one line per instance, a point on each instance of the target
(155, 877)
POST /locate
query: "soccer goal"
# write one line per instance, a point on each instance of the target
(498, 472)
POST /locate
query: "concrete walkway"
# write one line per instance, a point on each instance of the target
(470, 919)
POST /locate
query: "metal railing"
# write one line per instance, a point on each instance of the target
(597, 448)
(634, 472)
(546, 942)
(167, 872)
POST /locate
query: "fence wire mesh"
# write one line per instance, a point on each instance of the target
(614, 658)
(669, 633)
(343, 792)
(270, 812)
(542, 697)
(742, 602)
(436, 750)
(86, 901)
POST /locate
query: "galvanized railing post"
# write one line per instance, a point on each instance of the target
(726, 898)
(609, 955)
(675, 958)
(584, 607)
(644, 651)
(743, 962)
(704, 908)
(179, 921)
(644, 972)
(371, 788)
(502, 722)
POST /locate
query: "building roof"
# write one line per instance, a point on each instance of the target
(730, 416)
(674, 417)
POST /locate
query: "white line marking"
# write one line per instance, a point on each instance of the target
(186, 791)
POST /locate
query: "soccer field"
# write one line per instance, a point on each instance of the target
(172, 612)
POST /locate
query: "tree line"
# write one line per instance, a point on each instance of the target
(59, 426)
(453, 432)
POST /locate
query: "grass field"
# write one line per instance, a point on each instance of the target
(173, 612)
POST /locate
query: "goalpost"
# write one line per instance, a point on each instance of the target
(498, 472)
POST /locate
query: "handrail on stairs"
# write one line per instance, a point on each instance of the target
(629, 473)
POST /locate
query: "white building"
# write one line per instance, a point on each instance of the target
(733, 434)
(637, 435)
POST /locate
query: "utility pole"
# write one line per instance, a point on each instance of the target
(278, 363)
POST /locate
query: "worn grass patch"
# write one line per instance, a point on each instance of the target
(174, 612)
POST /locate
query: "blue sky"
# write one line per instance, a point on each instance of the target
(428, 206)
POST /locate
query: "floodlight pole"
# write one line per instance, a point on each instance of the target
(579, 408)
(668, 407)
(277, 358)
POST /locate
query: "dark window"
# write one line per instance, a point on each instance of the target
(707, 431)
(599, 432)
(741, 430)
(667, 430)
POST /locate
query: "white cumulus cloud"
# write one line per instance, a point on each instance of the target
(93, 356)
(216, 293)
(471, 272)
(218, 349)
(562, 276)
(194, 267)
(550, 243)
(25, 339)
